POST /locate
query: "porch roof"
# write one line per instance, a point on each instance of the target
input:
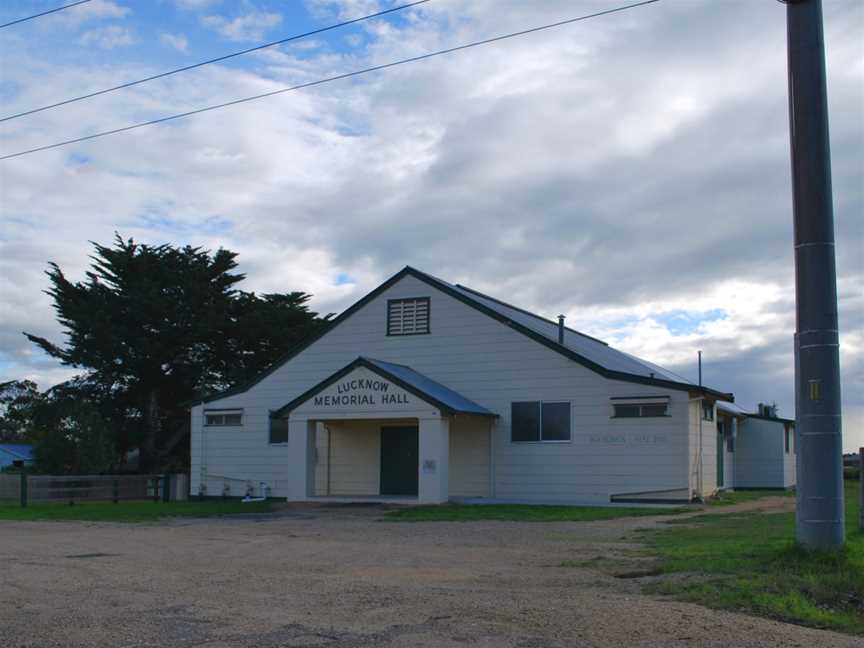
(431, 391)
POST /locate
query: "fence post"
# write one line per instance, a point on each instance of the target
(23, 489)
(166, 487)
(115, 490)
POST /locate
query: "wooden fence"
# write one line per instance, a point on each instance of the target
(27, 489)
(10, 487)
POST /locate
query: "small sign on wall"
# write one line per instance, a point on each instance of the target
(430, 466)
(631, 439)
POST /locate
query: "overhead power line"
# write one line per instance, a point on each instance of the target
(44, 13)
(209, 61)
(337, 77)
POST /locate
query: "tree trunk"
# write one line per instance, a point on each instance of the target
(152, 427)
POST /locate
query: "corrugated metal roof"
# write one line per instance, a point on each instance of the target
(731, 408)
(18, 450)
(435, 390)
(595, 350)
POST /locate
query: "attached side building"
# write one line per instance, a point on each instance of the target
(765, 451)
(432, 390)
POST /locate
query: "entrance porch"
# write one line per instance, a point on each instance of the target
(376, 430)
(361, 459)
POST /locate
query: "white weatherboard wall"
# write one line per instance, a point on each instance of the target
(707, 485)
(469, 457)
(354, 459)
(493, 365)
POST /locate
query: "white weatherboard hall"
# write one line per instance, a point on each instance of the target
(432, 391)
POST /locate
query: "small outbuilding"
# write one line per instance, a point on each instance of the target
(760, 447)
(12, 452)
(430, 391)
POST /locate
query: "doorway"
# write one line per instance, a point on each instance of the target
(399, 460)
(721, 450)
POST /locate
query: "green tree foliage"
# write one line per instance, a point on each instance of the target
(68, 431)
(75, 440)
(156, 326)
(18, 399)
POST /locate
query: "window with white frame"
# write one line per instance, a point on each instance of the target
(408, 316)
(707, 411)
(223, 418)
(535, 421)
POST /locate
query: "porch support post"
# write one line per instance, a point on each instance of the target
(301, 449)
(434, 460)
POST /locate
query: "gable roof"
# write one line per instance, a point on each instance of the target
(589, 347)
(583, 349)
(414, 382)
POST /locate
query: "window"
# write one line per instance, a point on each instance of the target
(408, 316)
(707, 411)
(540, 421)
(555, 421)
(640, 410)
(786, 439)
(223, 417)
(730, 443)
(278, 430)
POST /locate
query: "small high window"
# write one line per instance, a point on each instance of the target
(534, 421)
(707, 411)
(408, 316)
(640, 410)
(222, 418)
(278, 430)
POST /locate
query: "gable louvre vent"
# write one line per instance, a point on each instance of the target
(408, 316)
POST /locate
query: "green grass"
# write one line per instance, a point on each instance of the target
(749, 562)
(139, 511)
(727, 498)
(520, 513)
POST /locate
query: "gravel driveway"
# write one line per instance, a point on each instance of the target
(339, 577)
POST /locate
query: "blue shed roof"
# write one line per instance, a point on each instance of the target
(18, 450)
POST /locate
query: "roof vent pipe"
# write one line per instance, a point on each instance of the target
(560, 329)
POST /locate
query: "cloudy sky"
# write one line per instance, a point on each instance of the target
(631, 171)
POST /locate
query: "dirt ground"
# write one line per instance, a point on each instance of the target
(339, 577)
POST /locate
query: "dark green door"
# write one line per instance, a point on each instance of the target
(721, 450)
(399, 460)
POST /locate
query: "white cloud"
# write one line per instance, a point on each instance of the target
(109, 37)
(617, 170)
(251, 26)
(193, 5)
(177, 41)
(93, 10)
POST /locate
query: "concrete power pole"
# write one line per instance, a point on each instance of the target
(819, 519)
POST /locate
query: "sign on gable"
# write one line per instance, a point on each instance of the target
(361, 390)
